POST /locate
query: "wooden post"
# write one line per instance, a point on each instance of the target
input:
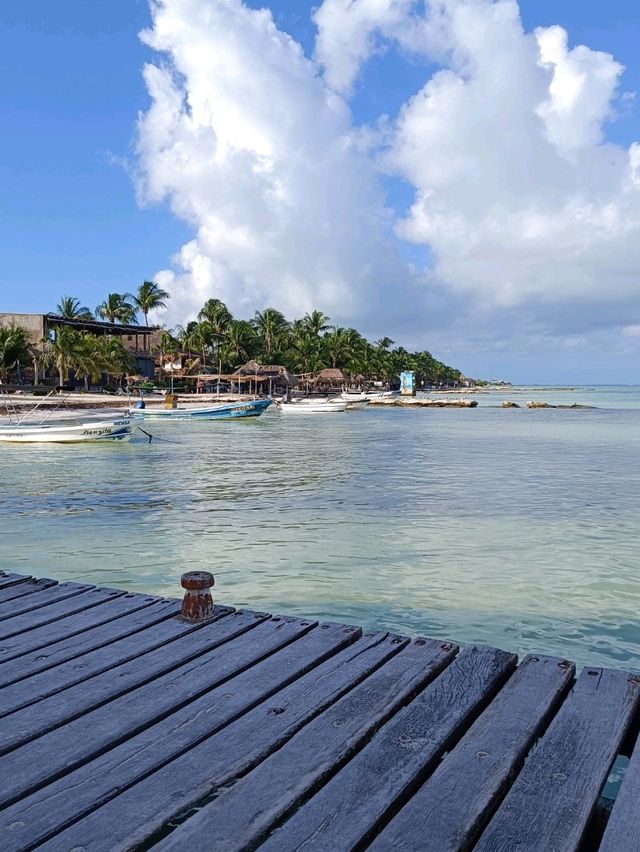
(197, 603)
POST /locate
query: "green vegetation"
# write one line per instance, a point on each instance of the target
(14, 349)
(70, 308)
(117, 307)
(303, 345)
(149, 297)
(87, 355)
(217, 340)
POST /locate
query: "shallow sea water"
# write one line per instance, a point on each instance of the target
(518, 528)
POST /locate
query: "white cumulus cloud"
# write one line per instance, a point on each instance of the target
(530, 216)
(249, 145)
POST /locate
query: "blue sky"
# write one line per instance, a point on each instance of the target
(72, 89)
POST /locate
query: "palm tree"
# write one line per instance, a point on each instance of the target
(88, 359)
(271, 327)
(168, 345)
(117, 307)
(238, 343)
(14, 348)
(217, 314)
(63, 350)
(149, 297)
(338, 345)
(70, 308)
(315, 323)
(114, 358)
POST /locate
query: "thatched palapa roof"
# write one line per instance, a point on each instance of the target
(329, 376)
(266, 371)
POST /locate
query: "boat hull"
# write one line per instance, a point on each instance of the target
(228, 411)
(313, 407)
(99, 431)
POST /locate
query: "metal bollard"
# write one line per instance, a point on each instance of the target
(197, 603)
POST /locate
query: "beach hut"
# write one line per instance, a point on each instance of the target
(278, 377)
(330, 379)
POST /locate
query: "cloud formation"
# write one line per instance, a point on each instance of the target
(249, 145)
(531, 218)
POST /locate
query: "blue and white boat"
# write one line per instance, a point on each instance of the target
(87, 431)
(221, 411)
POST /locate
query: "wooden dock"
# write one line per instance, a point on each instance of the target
(125, 725)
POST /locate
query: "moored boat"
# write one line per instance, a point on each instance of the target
(367, 396)
(323, 406)
(355, 401)
(220, 411)
(90, 431)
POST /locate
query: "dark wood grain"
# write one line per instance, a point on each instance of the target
(242, 816)
(63, 707)
(103, 608)
(27, 587)
(7, 579)
(91, 597)
(50, 809)
(459, 798)
(160, 629)
(551, 801)
(86, 736)
(35, 600)
(351, 806)
(133, 816)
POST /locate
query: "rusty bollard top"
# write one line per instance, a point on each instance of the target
(197, 603)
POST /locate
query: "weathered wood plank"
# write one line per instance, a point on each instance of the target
(623, 828)
(43, 597)
(352, 805)
(39, 761)
(103, 608)
(55, 611)
(459, 798)
(64, 706)
(26, 588)
(142, 810)
(551, 801)
(244, 814)
(51, 809)
(45, 683)
(7, 579)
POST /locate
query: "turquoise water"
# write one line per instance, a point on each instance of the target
(519, 528)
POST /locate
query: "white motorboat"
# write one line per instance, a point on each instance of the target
(303, 406)
(368, 396)
(89, 431)
(355, 401)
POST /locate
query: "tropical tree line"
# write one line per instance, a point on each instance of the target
(120, 308)
(218, 340)
(88, 356)
(306, 345)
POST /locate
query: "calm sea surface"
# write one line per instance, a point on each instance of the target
(519, 528)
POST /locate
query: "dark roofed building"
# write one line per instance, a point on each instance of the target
(138, 340)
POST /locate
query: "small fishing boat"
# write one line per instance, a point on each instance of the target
(355, 401)
(221, 411)
(369, 396)
(323, 406)
(89, 431)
